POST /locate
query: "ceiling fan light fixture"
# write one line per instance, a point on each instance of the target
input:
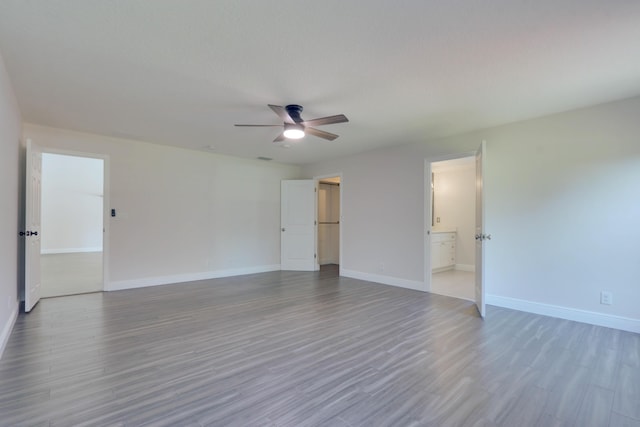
(293, 131)
(295, 127)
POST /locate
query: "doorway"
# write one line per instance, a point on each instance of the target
(452, 251)
(329, 223)
(72, 251)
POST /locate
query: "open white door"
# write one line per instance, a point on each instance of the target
(428, 220)
(480, 236)
(298, 225)
(32, 230)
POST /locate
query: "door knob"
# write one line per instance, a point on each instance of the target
(282, 228)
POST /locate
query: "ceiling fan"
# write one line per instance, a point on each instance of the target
(295, 127)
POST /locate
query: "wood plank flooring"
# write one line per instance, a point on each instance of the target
(454, 283)
(70, 274)
(309, 349)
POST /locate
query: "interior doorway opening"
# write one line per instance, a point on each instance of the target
(452, 251)
(72, 244)
(329, 223)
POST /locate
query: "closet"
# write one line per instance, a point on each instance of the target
(329, 222)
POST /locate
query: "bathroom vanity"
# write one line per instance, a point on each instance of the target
(443, 249)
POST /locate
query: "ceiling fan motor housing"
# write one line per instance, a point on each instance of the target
(294, 111)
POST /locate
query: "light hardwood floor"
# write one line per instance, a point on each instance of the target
(454, 283)
(309, 349)
(69, 274)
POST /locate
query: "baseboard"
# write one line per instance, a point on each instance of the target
(385, 280)
(70, 250)
(465, 267)
(8, 327)
(583, 316)
(441, 269)
(190, 277)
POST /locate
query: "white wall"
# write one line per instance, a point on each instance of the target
(382, 215)
(455, 205)
(181, 214)
(563, 209)
(72, 208)
(10, 131)
(561, 204)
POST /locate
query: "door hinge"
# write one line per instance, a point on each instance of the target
(315, 222)
(314, 256)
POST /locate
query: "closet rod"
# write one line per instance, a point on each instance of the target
(329, 222)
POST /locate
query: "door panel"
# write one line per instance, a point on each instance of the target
(479, 235)
(298, 225)
(32, 226)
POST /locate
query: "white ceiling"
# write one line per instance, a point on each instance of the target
(182, 72)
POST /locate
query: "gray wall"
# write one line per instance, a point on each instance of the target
(181, 214)
(561, 204)
(10, 129)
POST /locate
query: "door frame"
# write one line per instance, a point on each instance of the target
(428, 209)
(105, 202)
(317, 179)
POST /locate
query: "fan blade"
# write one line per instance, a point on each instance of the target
(279, 138)
(340, 118)
(258, 126)
(320, 133)
(282, 113)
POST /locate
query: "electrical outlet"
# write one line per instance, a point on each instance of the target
(606, 298)
(438, 220)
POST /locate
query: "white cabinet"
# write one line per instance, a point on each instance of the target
(443, 251)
